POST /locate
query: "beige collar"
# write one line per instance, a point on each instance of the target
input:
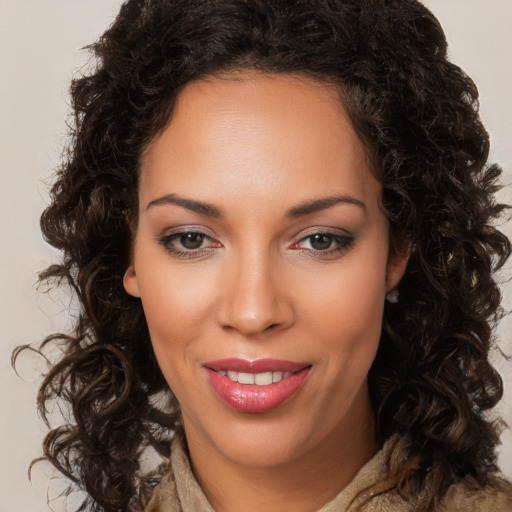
(179, 491)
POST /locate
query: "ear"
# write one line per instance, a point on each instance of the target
(397, 264)
(130, 282)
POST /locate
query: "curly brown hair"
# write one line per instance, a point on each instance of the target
(431, 382)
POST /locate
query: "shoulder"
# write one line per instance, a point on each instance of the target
(460, 497)
(463, 497)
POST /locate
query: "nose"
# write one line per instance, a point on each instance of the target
(254, 298)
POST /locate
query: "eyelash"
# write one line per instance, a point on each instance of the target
(168, 240)
(343, 242)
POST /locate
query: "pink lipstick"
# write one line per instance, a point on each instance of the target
(256, 386)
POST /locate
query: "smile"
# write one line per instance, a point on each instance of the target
(260, 379)
(256, 386)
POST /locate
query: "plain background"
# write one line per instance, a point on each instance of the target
(40, 49)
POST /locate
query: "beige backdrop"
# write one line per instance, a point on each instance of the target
(40, 43)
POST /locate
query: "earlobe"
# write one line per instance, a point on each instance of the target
(130, 282)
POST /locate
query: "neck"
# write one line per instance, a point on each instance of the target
(303, 483)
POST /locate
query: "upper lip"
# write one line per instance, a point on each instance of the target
(257, 366)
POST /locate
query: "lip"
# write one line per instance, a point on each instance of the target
(253, 398)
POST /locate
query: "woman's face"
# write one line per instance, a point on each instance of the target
(261, 259)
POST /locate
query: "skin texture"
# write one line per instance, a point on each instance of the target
(255, 147)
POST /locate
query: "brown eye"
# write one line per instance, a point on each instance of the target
(325, 244)
(192, 240)
(320, 242)
(189, 244)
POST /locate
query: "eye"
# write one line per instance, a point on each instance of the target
(320, 241)
(191, 240)
(188, 244)
(324, 244)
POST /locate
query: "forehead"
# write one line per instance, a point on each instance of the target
(254, 133)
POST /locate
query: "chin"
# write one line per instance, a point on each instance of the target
(260, 452)
(254, 440)
(250, 440)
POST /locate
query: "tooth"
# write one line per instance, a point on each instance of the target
(277, 376)
(245, 378)
(260, 379)
(263, 379)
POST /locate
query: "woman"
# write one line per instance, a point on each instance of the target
(277, 217)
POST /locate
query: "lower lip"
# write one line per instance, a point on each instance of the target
(251, 398)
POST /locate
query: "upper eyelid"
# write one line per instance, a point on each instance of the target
(319, 230)
(177, 230)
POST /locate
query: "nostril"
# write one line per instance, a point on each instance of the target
(254, 314)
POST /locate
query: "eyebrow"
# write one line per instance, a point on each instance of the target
(300, 210)
(323, 203)
(190, 204)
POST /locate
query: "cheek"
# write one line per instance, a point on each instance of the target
(345, 308)
(176, 306)
(176, 301)
(352, 295)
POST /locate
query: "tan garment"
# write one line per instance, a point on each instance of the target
(179, 491)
